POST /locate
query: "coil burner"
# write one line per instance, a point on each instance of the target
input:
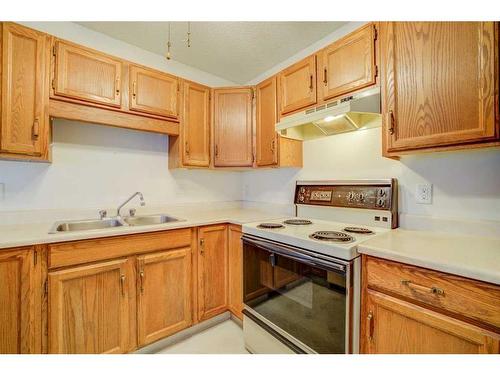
(297, 222)
(270, 226)
(359, 230)
(333, 236)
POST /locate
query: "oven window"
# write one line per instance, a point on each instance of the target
(308, 303)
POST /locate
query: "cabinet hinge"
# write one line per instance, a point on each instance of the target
(54, 50)
(253, 94)
(53, 83)
(375, 32)
(35, 257)
(376, 70)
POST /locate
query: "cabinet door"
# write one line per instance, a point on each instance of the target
(348, 64)
(439, 83)
(393, 326)
(297, 85)
(18, 306)
(91, 308)
(24, 75)
(233, 127)
(235, 271)
(88, 75)
(267, 116)
(164, 294)
(154, 92)
(212, 271)
(196, 125)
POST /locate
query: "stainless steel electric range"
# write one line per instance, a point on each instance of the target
(301, 275)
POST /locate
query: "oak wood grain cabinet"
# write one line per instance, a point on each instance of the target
(24, 125)
(297, 86)
(408, 309)
(154, 92)
(20, 301)
(235, 270)
(212, 271)
(348, 64)
(85, 74)
(164, 294)
(192, 147)
(92, 308)
(233, 127)
(439, 84)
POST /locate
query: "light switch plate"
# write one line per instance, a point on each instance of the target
(424, 193)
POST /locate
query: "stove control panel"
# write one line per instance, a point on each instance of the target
(369, 196)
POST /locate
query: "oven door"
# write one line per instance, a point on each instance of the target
(300, 298)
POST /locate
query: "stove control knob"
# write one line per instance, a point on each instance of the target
(361, 197)
(380, 202)
(350, 197)
(301, 198)
(302, 190)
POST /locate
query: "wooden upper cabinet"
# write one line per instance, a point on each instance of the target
(233, 127)
(196, 125)
(91, 308)
(25, 90)
(17, 301)
(439, 83)
(154, 92)
(164, 294)
(266, 116)
(394, 326)
(88, 75)
(212, 271)
(348, 64)
(297, 85)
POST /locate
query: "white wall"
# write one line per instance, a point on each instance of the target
(466, 183)
(99, 166)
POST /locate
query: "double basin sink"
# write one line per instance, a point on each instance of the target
(82, 225)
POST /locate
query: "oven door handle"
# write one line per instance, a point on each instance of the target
(288, 252)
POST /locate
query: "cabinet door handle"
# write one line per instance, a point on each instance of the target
(390, 121)
(35, 131)
(273, 143)
(117, 85)
(422, 288)
(325, 77)
(311, 82)
(371, 325)
(202, 246)
(122, 284)
(141, 275)
(133, 90)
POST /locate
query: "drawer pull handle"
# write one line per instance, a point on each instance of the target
(371, 326)
(422, 288)
(122, 284)
(141, 274)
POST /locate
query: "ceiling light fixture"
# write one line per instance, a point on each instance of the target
(169, 41)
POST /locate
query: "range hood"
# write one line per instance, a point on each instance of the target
(357, 112)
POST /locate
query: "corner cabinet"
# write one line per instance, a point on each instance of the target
(266, 118)
(212, 271)
(348, 64)
(297, 86)
(24, 93)
(232, 127)
(439, 85)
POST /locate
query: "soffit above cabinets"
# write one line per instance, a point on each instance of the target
(236, 51)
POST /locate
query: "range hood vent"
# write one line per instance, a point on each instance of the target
(356, 112)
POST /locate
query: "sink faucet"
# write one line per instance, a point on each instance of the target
(129, 199)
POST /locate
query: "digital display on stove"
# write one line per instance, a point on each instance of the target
(321, 196)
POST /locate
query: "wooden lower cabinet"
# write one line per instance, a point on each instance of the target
(163, 294)
(19, 303)
(92, 309)
(394, 326)
(235, 271)
(212, 271)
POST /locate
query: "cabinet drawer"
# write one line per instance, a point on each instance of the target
(78, 252)
(457, 295)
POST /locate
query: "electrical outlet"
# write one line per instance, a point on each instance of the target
(424, 193)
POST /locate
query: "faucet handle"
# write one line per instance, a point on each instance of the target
(132, 212)
(102, 214)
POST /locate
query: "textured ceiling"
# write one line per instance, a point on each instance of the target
(236, 51)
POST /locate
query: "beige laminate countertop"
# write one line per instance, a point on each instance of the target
(38, 233)
(474, 257)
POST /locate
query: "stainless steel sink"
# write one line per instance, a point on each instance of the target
(78, 225)
(150, 219)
